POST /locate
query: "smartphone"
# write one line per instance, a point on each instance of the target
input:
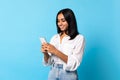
(42, 39)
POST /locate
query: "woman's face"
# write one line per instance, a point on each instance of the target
(62, 23)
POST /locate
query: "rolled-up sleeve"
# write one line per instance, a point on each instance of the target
(75, 59)
(47, 63)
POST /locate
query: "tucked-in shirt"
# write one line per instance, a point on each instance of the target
(72, 48)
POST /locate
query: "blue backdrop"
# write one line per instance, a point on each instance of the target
(22, 22)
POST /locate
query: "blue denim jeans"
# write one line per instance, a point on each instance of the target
(57, 73)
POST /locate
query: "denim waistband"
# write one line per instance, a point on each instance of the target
(60, 66)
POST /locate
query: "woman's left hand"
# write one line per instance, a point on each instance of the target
(51, 49)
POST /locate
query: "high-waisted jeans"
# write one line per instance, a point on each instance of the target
(57, 73)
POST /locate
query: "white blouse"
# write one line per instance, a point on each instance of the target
(72, 48)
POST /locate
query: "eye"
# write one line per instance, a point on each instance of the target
(63, 20)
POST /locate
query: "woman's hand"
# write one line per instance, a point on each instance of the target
(45, 52)
(50, 48)
(44, 48)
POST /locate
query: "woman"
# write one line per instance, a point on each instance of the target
(65, 50)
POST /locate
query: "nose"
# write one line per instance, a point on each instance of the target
(60, 23)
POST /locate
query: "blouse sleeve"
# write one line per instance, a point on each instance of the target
(47, 63)
(75, 59)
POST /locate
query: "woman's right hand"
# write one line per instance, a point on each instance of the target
(44, 51)
(44, 48)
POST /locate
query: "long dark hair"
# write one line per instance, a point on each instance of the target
(71, 20)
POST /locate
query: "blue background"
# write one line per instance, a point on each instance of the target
(22, 22)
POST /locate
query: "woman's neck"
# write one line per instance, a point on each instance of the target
(62, 35)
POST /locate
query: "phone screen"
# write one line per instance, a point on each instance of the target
(42, 39)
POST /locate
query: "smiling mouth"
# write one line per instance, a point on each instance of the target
(62, 28)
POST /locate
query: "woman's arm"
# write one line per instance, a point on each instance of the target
(46, 57)
(44, 51)
(50, 48)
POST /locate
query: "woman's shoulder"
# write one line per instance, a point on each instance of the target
(80, 36)
(55, 36)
